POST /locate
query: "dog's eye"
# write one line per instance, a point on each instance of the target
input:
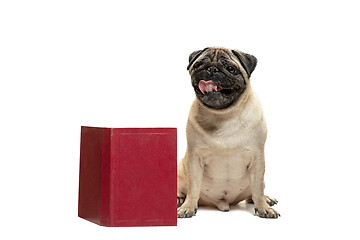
(197, 64)
(231, 69)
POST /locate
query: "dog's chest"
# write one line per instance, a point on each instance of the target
(227, 157)
(230, 134)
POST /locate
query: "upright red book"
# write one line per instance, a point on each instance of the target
(128, 176)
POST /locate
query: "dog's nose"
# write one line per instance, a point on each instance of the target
(212, 69)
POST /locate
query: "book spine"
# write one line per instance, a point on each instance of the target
(90, 174)
(105, 178)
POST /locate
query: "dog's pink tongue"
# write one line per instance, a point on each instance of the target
(207, 86)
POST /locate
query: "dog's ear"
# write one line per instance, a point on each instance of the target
(247, 61)
(193, 56)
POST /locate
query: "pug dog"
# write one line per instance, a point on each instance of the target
(226, 132)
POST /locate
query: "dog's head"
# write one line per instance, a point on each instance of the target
(219, 76)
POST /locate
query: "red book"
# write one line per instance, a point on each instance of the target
(128, 176)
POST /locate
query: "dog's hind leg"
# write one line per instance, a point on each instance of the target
(269, 200)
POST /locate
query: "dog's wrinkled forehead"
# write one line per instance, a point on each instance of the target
(214, 55)
(246, 62)
(209, 55)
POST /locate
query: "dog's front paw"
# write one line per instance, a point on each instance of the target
(266, 213)
(186, 212)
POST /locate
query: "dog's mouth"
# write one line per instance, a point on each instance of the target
(209, 87)
(215, 95)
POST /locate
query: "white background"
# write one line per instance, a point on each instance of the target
(64, 64)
